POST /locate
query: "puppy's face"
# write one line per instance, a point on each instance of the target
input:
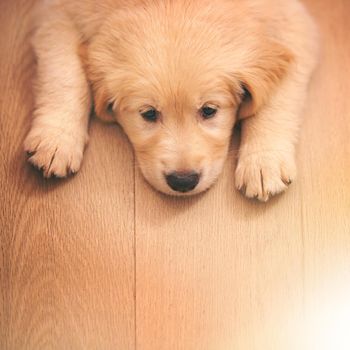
(180, 128)
(175, 90)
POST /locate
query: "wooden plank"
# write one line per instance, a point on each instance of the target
(217, 271)
(67, 259)
(325, 169)
(220, 272)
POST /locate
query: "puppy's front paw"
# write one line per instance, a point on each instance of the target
(56, 152)
(263, 174)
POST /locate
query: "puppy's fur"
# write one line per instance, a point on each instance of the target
(251, 60)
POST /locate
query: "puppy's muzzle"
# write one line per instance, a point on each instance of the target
(182, 181)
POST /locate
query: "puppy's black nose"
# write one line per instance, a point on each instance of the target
(182, 181)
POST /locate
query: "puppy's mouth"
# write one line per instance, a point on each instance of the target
(182, 182)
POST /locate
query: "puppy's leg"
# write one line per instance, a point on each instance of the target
(59, 131)
(266, 164)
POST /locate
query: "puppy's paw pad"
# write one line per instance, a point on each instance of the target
(55, 154)
(262, 175)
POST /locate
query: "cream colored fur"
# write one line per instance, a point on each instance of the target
(176, 56)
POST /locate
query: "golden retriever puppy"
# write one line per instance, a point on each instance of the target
(176, 75)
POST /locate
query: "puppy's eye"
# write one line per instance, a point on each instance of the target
(208, 112)
(151, 115)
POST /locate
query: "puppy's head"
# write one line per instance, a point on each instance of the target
(176, 80)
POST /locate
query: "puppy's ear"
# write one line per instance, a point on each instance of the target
(262, 76)
(103, 106)
(95, 73)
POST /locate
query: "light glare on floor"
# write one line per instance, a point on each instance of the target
(329, 328)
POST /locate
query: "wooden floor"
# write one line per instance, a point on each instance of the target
(101, 261)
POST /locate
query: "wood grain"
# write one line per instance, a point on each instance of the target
(102, 261)
(67, 258)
